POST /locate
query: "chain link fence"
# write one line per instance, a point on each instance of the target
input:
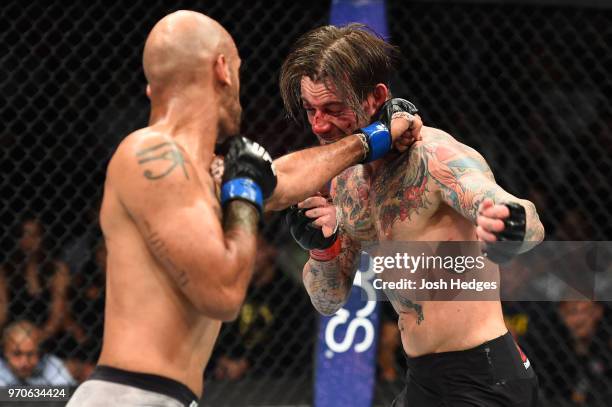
(525, 85)
(530, 88)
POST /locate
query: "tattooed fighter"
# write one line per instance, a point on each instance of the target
(179, 261)
(459, 353)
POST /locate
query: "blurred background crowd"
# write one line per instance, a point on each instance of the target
(527, 85)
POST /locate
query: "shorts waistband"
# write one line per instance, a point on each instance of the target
(146, 381)
(482, 354)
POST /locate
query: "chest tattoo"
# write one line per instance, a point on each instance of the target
(400, 192)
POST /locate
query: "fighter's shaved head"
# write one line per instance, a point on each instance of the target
(192, 67)
(182, 46)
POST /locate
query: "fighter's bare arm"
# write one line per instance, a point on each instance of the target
(465, 180)
(329, 283)
(303, 173)
(161, 191)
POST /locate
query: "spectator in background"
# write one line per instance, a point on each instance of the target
(572, 354)
(590, 346)
(574, 225)
(23, 364)
(33, 286)
(77, 252)
(84, 322)
(276, 310)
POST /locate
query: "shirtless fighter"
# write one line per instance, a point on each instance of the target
(459, 353)
(179, 261)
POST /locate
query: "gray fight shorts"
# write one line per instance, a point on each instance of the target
(108, 387)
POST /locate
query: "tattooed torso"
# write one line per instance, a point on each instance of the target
(406, 196)
(401, 199)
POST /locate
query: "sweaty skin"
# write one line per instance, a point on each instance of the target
(431, 193)
(177, 264)
(160, 215)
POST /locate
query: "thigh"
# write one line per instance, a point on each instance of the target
(417, 395)
(518, 393)
(511, 393)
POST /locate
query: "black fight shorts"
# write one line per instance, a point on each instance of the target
(494, 374)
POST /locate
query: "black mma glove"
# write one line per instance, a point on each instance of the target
(385, 113)
(249, 173)
(308, 236)
(509, 240)
(378, 134)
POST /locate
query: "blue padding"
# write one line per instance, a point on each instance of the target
(372, 13)
(379, 140)
(242, 188)
(345, 373)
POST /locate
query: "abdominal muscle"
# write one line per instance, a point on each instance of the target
(450, 326)
(445, 326)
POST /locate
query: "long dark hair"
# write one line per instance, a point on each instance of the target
(353, 58)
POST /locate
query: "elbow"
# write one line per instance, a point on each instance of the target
(324, 304)
(278, 200)
(325, 307)
(327, 311)
(275, 203)
(225, 306)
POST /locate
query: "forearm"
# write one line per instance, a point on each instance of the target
(304, 173)
(240, 224)
(469, 192)
(534, 229)
(213, 271)
(328, 283)
(326, 286)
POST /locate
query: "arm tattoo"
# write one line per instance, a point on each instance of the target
(323, 282)
(352, 192)
(329, 283)
(168, 151)
(463, 176)
(159, 249)
(465, 180)
(241, 215)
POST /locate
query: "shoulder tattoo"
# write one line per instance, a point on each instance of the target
(168, 152)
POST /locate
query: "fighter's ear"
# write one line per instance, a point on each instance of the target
(380, 95)
(222, 71)
(376, 99)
